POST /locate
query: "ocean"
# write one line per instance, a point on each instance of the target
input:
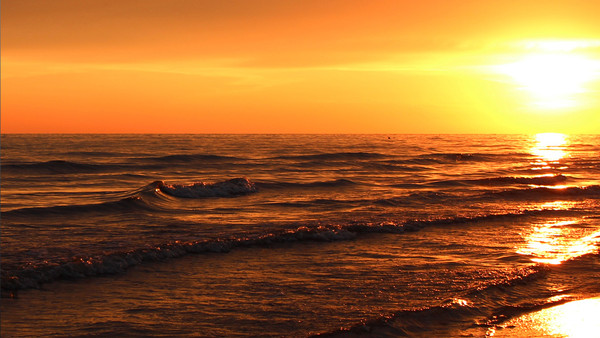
(294, 235)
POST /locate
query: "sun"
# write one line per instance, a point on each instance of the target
(553, 73)
(552, 79)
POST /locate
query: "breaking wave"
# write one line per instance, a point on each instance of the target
(147, 197)
(117, 262)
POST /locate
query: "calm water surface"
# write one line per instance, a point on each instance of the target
(294, 235)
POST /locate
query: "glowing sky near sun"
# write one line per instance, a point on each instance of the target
(300, 66)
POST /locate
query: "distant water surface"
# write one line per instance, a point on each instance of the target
(294, 235)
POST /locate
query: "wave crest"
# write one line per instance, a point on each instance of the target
(146, 198)
(55, 167)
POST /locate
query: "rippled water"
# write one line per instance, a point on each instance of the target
(294, 235)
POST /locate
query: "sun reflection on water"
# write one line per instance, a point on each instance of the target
(557, 205)
(557, 241)
(550, 148)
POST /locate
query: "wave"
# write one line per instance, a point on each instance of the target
(457, 157)
(503, 295)
(504, 180)
(146, 198)
(592, 191)
(430, 320)
(454, 158)
(229, 188)
(449, 158)
(185, 158)
(389, 166)
(431, 158)
(469, 310)
(316, 184)
(537, 180)
(153, 196)
(124, 205)
(56, 167)
(120, 261)
(117, 262)
(334, 156)
(425, 196)
(72, 167)
(95, 153)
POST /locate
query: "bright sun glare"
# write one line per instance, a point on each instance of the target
(553, 73)
(549, 148)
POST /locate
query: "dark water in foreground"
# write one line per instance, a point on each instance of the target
(294, 235)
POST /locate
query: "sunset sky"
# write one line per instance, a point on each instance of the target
(192, 66)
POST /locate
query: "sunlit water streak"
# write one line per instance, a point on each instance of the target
(550, 149)
(557, 241)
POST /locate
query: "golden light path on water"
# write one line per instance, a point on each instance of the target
(556, 241)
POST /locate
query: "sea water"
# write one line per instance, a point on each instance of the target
(294, 235)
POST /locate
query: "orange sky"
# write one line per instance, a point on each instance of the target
(191, 66)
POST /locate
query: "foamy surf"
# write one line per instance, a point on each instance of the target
(82, 266)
